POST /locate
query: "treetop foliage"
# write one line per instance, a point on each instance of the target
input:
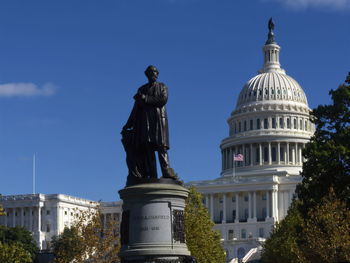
(328, 153)
(12, 235)
(89, 239)
(14, 253)
(202, 241)
(2, 212)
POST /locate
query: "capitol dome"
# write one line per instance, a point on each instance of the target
(269, 87)
(270, 124)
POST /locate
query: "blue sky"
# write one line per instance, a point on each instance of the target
(69, 69)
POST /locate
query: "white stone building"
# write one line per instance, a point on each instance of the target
(269, 127)
(46, 215)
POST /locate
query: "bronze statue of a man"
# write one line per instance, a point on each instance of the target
(146, 130)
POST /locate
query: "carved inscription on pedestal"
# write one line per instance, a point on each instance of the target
(179, 226)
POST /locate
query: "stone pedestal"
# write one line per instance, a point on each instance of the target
(152, 227)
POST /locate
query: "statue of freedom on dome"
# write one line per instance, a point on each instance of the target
(146, 130)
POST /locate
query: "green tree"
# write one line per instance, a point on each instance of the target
(14, 253)
(68, 245)
(202, 241)
(327, 231)
(88, 240)
(12, 235)
(328, 153)
(282, 245)
(2, 212)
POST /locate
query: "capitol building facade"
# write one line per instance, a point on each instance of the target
(46, 215)
(269, 127)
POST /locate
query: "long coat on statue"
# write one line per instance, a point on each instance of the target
(149, 117)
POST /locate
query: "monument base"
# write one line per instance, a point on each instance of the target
(153, 226)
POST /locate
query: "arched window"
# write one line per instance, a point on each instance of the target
(288, 123)
(266, 123)
(295, 123)
(243, 233)
(301, 124)
(230, 234)
(305, 125)
(258, 124)
(273, 123)
(261, 232)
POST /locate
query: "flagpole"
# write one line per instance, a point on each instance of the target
(234, 167)
(34, 173)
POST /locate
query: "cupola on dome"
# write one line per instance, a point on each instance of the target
(272, 83)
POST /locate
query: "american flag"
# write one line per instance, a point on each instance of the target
(238, 157)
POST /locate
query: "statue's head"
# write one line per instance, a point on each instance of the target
(152, 73)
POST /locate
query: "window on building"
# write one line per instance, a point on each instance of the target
(261, 232)
(288, 123)
(48, 228)
(233, 214)
(274, 123)
(266, 126)
(266, 154)
(16, 213)
(71, 213)
(221, 215)
(258, 124)
(48, 212)
(239, 127)
(263, 196)
(305, 126)
(221, 200)
(245, 125)
(281, 123)
(246, 198)
(282, 153)
(301, 124)
(243, 233)
(273, 154)
(203, 201)
(251, 124)
(65, 212)
(233, 199)
(257, 155)
(230, 234)
(264, 212)
(246, 213)
(295, 123)
(235, 128)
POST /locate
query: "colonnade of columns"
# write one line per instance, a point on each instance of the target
(269, 204)
(108, 216)
(289, 153)
(23, 216)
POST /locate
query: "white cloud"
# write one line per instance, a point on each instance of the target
(26, 90)
(304, 4)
